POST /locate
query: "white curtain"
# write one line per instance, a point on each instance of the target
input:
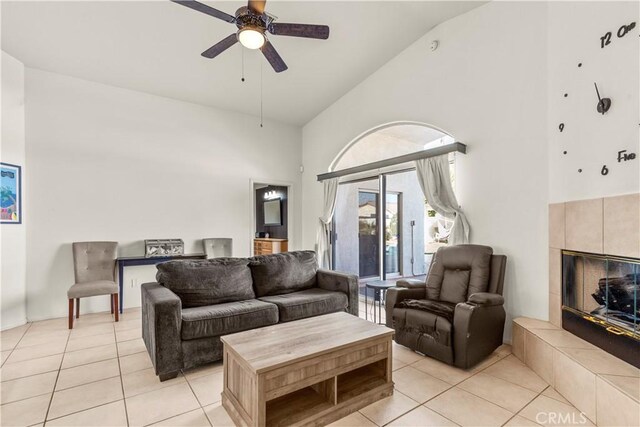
(323, 237)
(435, 180)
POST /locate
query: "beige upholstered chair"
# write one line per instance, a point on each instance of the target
(95, 274)
(218, 247)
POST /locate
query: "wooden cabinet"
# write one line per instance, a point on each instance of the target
(269, 246)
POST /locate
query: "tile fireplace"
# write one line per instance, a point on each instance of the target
(600, 301)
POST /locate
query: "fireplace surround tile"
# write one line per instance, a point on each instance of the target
(611, 400)
(557, 225)
(539, 357)
(622, 225)
(627, 385)
(562, 338)
(517, 341)
(555, 271)
(531, 323)
(601, 362)
(584, 225)
(555, 309)
(576, 383)
(615, 408)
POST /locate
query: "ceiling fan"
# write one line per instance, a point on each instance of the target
(253, 23)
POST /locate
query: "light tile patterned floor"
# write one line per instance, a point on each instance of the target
(100, 374)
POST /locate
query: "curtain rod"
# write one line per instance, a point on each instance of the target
(432, 152)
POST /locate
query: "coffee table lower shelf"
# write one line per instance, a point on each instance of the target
(314, 400)
(319, 404)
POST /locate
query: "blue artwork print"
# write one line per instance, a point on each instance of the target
(10, 194)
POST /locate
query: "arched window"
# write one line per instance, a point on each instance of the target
(382, 227)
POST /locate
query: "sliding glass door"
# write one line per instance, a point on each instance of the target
(378, 227)
(393, 234)
(368, 233)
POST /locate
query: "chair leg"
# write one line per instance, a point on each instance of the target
(111, 298)
(70, 313)
(115, 306)
(77, 308)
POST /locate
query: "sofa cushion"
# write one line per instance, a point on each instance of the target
(459, 271)
(283, 273)
(205, 282)
(307, 303)
(227, 318)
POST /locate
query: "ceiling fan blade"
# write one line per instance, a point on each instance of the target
(200, 7)
(221, 46)
(273, 57)
(300, 30)
(257, 6)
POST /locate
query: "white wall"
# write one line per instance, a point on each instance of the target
(591, 139)
(486, 86)
(13, 236)
(113, 164)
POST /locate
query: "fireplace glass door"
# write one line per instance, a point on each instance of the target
(604, 288)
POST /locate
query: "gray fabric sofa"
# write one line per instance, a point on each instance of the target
(194, 302)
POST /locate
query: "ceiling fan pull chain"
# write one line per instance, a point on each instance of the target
(242, 53)
(261, 61)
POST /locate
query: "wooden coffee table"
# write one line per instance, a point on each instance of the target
(308, 372)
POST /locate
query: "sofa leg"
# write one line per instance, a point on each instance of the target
(70, 313)
(169, 376)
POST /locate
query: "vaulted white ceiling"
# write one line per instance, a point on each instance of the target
(155, 46)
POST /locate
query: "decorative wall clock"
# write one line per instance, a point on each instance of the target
(603, 104)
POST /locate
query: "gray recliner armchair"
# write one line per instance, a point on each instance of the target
(457, 316)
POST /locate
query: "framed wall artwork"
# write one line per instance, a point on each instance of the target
(10, 193)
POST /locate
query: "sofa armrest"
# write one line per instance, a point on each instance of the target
(477, 331)
(486, 299)
(161, 325)
(411, 283)
(336, 281)
(396, 295)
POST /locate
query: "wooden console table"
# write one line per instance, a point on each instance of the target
(265, 246)
(129, 261)
(308, 372)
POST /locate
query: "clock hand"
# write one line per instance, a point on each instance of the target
(599, 98)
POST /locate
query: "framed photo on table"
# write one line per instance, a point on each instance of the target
(10, 193)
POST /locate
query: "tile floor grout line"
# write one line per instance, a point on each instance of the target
(53, 391)
(423, 404)
(29, 360)
(182, 413)
(33, 375)
(401, 415)
(517, 414)
(87, 383)
(16, 346)
(124, 398)
(431, 398)
(196, 396)
(498, 405)
(25, 398)
(88, 363)
(86, 409)
(456, 385)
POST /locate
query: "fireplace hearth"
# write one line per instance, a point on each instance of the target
(600, 302)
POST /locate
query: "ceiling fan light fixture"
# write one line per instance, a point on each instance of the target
(251, 38)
